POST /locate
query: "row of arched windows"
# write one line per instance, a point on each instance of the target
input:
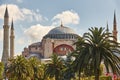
(61, 36)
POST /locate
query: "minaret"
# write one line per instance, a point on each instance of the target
(12, 40)
(5, 54)
(115, 27)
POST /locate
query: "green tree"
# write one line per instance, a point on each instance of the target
(19, 69)
(54, 68)
(79, 54)
(95, 47)
(68, 70)
(1, 70)
(37, 67)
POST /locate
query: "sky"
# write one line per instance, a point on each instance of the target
(35, 18)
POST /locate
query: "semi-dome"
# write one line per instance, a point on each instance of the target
(38, 44)
(61, 32)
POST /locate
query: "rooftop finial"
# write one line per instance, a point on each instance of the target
(61, 24)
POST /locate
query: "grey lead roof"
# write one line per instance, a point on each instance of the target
(61, 30)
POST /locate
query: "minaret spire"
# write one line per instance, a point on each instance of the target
(5, 54)
(6, 17)
(115, 18)
(12, 40)
(107, 29)
(6, 13)
(12, 26)
(115, 27)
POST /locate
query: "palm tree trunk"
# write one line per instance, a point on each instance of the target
(79, 75)
(97, 74)
(56, 77)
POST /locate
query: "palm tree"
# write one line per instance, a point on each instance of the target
(54, 68)
(68, 72)
(37, 67)
(19, 69)
(95, 47)
(79, 63)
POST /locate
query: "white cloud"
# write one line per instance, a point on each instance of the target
(21, 41)
(37, 10)
(67, 17)
(1, 34)
(29, 14)
(36, 32)
(13, 10)
(20, 13)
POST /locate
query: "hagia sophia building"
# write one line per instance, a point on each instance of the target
(59, 40)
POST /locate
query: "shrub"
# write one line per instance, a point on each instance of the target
(101, 78)
(105, 78)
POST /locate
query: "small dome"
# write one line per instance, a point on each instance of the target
(61, 30)
(37, 44)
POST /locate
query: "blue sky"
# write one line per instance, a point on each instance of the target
(34, 18)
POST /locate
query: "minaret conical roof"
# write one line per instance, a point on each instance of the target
(107, 29)
(6, 13)
(12, 26)
(115, 18)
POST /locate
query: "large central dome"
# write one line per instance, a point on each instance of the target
(61, 30)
